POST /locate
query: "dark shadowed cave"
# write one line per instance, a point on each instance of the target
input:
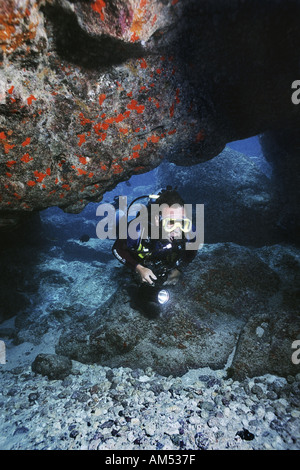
(100, 99)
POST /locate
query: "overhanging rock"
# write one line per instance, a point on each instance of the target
(92, 92)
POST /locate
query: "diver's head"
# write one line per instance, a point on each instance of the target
(172, 218)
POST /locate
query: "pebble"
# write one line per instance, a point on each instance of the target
(98, 408)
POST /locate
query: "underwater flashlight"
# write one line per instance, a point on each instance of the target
(163, 296)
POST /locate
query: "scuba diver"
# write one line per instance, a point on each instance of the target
(159, 261)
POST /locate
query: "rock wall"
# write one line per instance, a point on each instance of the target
(94, 91)
(241, 204)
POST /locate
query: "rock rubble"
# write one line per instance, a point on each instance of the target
(98, 408)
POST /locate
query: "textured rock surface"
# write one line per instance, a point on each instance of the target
(92, 92)
(52, 366)
(97, 408)
(230, 297)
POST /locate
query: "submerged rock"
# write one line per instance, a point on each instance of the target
(273, 348)
(225, 295)
(55, 367)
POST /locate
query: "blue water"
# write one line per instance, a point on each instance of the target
(250, 147)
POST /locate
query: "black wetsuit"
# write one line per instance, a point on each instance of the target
(159, 255)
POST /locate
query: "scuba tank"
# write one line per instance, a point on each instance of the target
(151, 199)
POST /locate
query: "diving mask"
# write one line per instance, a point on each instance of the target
(169, 224)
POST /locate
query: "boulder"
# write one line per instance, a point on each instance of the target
(212, 318)
(53, 366)
(265, 343)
